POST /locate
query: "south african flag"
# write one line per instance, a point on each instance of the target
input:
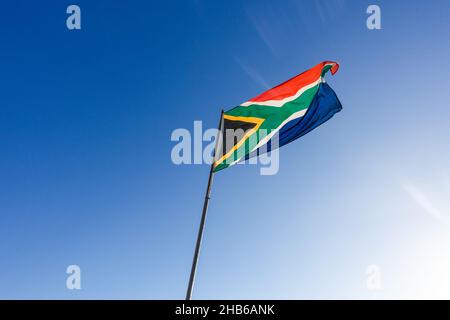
(283, 113)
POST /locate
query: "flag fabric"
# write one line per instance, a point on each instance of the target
(277, 116)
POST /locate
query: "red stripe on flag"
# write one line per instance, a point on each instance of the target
(293, 85)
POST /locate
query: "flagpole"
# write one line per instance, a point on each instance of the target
(203, 219)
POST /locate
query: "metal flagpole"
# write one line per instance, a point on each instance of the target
(203, 219)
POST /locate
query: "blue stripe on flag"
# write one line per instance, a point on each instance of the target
(323, 107)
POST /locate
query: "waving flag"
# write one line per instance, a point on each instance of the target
(286, 112)
(268, 121)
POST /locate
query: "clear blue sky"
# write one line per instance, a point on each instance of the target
(86, 176)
